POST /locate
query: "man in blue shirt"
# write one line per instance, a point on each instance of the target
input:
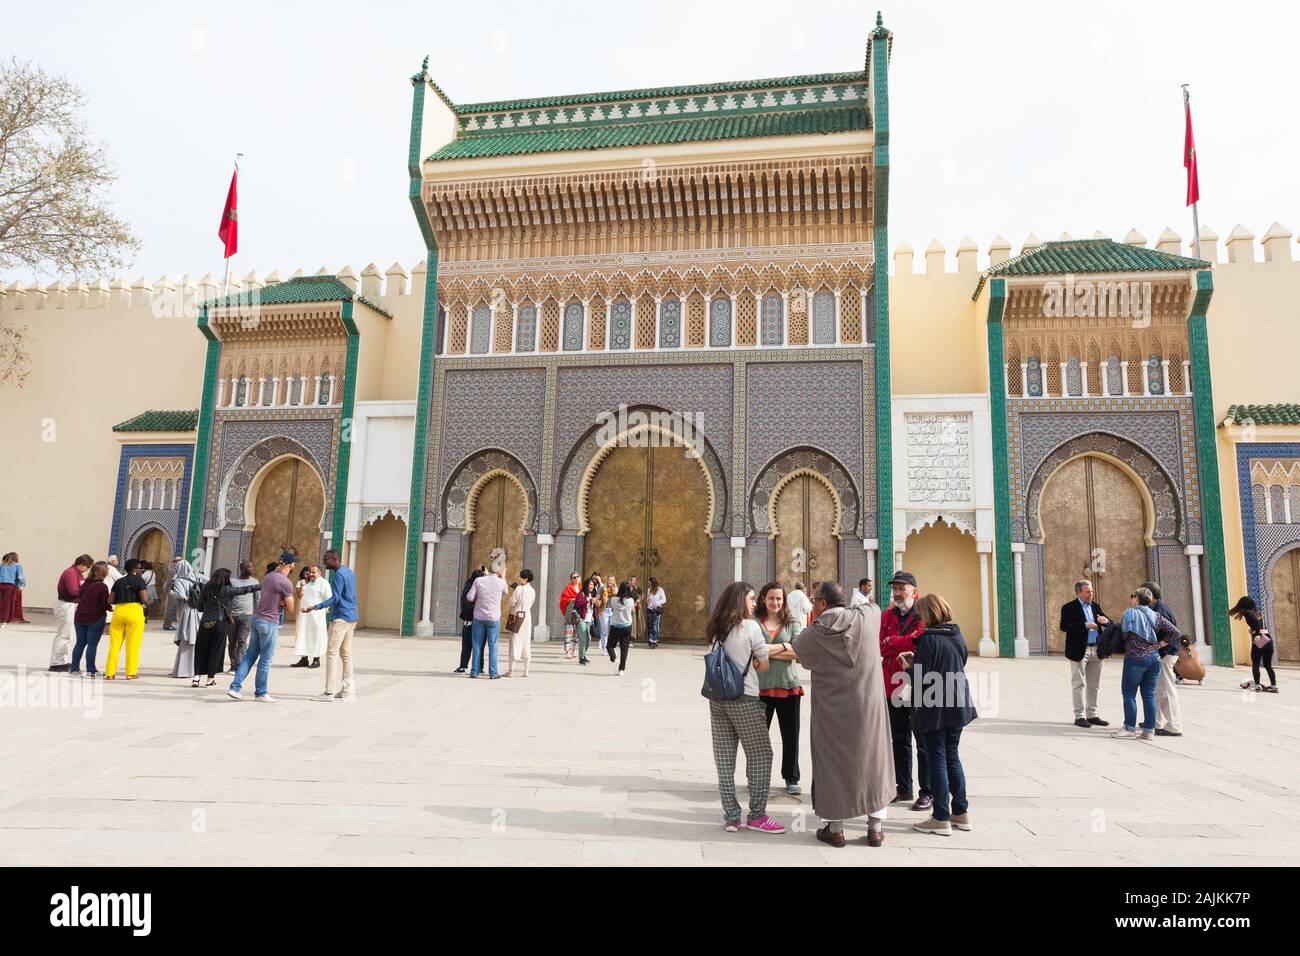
(342, 605)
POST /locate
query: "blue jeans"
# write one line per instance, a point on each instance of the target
(947, 778)
(1140, 673)
(652, 626)
(87, 640)
(485, 632)
(261, 650)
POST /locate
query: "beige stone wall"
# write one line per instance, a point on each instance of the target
(945, 562)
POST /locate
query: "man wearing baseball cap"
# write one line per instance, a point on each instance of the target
(900, 626)
(277, 593)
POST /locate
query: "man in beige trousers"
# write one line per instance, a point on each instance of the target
(342, 605)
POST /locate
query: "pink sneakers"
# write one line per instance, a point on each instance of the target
(765, 824)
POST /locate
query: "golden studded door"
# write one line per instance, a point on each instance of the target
(156, 548)
(805, 547)
(289, 509)
(1285, 626)
(647, 513)
(1093, 520)
(499, 513)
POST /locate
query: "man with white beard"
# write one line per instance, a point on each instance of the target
(900, 626)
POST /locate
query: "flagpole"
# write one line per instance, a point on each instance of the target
(1196, 222)
(225, 282)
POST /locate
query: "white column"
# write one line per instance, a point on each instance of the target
(425, 627)
(275, 392)
(988, 648)
(738, 545)
(315, 392)
(1193, 552)
(1006, 380)
(1164, 374)
(658, 316)
(1268, 507)
(735, 327)
(1017, 559)
(871, 546)
(1065, 381)
(1146, 380)
(785, 318)
(514, 327)
(1024, 379)
(586, 324)
(353, 539)
(1083, 379)
(898, 560)
(221, 390)
(209, 536)
(261, 385)
(1187, 377)
(708, 321)
(837, 317)
(540, 631)
(1123, 378)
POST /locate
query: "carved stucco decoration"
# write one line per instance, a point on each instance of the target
(470, 476)
(785, 466)
(372, 513)
(1168, 523)
(234, 493)
(963, 521)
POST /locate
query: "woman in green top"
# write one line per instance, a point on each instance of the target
(779, 685)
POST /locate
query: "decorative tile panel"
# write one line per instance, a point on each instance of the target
(670, 323)
(573, 327)
(720, 323)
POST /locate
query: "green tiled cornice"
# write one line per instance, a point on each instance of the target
(1085, 256)
(613, 134)
(161, 420)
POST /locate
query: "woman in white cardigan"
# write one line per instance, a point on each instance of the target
(310, 631)
(521, 641)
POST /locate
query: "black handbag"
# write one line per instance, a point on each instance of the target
(1110, 640)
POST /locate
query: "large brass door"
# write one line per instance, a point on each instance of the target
(647, 510)
(289, 509)
(805, 548)
(1093, 517)
(156, 548)
(499, 513)
(1285, 626)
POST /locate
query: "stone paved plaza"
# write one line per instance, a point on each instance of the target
(577, 766)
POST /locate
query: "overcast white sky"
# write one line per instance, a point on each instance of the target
(1006, 117)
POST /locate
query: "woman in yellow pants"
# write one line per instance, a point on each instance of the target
(130, 594)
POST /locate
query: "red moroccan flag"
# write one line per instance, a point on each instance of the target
(229, 231)
(1189, 160)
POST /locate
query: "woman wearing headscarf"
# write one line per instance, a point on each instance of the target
(187, 631)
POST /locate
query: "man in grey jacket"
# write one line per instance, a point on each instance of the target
(241, 610)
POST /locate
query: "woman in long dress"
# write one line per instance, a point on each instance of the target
(521, 641)
(187, 631)
(310, 631)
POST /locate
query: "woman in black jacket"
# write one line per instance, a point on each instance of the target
(214, 621)
(1261, 644)
(941, 707)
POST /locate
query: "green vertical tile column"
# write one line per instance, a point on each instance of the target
(202, 438)
(345, 431)
(884, 477)
(1207, 459)
(415, 526)
(1003, 566)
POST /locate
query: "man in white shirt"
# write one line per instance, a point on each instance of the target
(862, 594)
(800, 606)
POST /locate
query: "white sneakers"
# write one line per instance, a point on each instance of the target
(234, 695)
(1133, 735)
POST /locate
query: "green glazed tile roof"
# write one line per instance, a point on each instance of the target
(158, 420)
(1082, 256)
(1286, 414)
(792, 105)
(326, 288)
(734, 86)
(641, 134)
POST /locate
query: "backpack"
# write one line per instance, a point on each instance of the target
(723, 680)
(194, 597)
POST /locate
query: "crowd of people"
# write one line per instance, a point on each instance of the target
(888, 687)
(214, 619)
